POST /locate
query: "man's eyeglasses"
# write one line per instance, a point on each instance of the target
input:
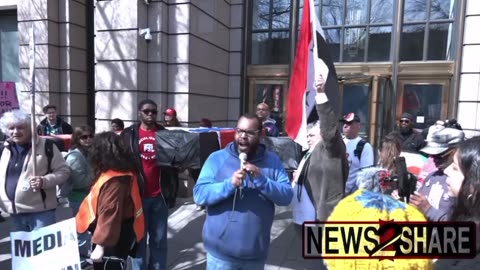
(148, 111)
(406, 121)
(250, 133)
(84, 137)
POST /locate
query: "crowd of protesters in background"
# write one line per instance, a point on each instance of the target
(120, 176)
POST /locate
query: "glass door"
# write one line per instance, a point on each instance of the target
(271, 92)
(426, 100)
(356, 95)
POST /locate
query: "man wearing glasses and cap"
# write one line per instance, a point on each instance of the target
(412, 141)
(359, 151)
(433, 198)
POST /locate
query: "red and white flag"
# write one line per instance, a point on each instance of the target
(312, 58)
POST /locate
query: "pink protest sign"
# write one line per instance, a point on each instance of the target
(8, 97)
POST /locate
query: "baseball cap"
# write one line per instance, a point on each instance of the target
(170, 112)
(350, 117)
(442, 139)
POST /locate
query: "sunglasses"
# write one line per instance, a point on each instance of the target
(147, 111)
(406, 121)
(84, 137)
(250, 133)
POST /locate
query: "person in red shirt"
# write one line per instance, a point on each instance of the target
(152, 181)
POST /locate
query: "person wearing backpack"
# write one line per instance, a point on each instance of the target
(29, 199)
(359, 151)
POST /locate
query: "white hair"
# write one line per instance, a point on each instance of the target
(14, 117)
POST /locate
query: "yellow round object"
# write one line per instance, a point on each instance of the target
(366, 205)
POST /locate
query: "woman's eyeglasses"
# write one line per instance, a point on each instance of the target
(84, 137)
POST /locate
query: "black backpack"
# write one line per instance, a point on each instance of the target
(359, 149)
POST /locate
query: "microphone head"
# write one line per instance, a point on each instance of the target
(242, 156)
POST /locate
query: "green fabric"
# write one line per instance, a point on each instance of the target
(77, 196)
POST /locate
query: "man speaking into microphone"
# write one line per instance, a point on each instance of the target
(240, 186)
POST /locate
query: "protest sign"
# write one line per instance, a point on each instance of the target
(8, 97)
(51, 247)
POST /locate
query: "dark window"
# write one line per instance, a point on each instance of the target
(354, 44)
(424, 102)
(9, 43)
(351, 26)
(412, 42)
(270, 32)
(379, 43)
(427, 30)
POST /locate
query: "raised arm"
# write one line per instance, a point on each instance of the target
(327, 117)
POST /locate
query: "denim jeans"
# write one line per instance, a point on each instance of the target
(214, 263)
(156, 216)
(28, 222)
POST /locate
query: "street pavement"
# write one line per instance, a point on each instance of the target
(185, 247)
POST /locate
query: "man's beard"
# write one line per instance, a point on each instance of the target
(405, 130)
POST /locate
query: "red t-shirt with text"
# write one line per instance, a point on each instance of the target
(150, 168)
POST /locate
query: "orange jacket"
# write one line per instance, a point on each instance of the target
(88, 209)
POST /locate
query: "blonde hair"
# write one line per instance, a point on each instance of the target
(391, 148)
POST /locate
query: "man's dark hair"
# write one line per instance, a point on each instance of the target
(118, 122)
(146, 101)
(252, 116)
(49, 106)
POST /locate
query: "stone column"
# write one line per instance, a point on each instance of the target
(121, 61)
(469, 92)
(60, 59)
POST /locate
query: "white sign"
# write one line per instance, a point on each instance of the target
(53, 247)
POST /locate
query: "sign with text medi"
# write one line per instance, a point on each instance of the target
(389, 240)
(50, 247)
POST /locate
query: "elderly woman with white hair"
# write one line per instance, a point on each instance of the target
(29, 199)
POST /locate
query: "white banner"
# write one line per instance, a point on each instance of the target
(53, 247)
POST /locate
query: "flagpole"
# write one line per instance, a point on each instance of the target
(313, 21)
(31, 56)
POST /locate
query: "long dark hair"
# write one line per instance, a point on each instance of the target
(109, 152)
(77, 133)
(468, 201)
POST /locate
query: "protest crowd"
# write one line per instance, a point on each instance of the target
(120, 183)
(120, 196)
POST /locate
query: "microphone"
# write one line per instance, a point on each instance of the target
(243, 157)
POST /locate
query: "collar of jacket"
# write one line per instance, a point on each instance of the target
(58, 122)
(136, 127)
(9, 143)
